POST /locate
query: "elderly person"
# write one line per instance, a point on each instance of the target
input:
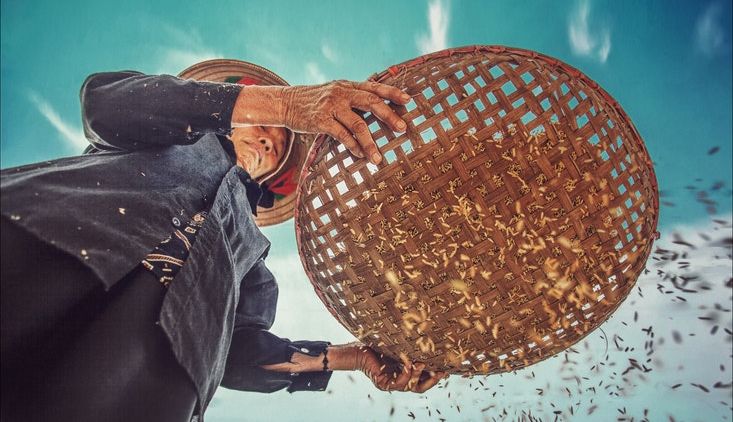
(133, 276)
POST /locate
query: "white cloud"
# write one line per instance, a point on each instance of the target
(174, 60)
(584, 42)
(438, 19)
(183, 49)
(605, 47)
(299, 306)
(710, 37)
(314, 74)
(71, 134)
(329, 53)
(267, 52)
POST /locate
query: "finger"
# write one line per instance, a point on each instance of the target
(380, 379)
(387, 92)
(415, 378)
(429, 383)
(365, 102)
(360, 131)
(387, 382)
(401, 381)
(338, 132)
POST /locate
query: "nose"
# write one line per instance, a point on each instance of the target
(266, 143)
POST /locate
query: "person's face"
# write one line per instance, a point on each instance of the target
(259, 149)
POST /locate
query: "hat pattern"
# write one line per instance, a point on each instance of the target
(279, 188)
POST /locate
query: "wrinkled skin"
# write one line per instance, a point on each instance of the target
(259, 149)
(327, 108)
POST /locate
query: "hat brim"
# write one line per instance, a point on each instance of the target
(221, 70)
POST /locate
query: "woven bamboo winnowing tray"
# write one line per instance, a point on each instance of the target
(509, 221)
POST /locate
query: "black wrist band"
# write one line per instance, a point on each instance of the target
(325, 360)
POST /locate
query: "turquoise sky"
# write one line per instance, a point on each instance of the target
(668, 63)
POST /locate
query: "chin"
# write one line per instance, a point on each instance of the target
(243, 163)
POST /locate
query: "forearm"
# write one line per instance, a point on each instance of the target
(129, 110)
(341, 357)
(254, 348)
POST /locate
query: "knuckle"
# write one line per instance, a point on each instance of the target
(342, 85)
(321, 121)
(372, 98)
(325, 103)
(332, 92)
(345, 138)
(338, 133)
(329, 102)
(359, 126)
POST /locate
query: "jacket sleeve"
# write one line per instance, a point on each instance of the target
(129, 110)
(253, 345)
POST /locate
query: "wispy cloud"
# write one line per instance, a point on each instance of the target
(710, 36)
(174, 60)
(438, 20)
(329, 53)
(182, 49)
(72, 135)
(297, 298)
(595, 45)
(266, 52)
(314, 74)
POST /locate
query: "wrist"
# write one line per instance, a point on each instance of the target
(285, 99)
(343, 357)
(259, 105)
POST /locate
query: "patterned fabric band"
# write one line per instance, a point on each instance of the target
(325, 359)
(168, 257)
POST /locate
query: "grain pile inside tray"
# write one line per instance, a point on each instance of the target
(509, 221)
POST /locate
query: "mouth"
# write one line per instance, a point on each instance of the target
(251, 154)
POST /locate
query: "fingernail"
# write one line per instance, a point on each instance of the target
(401, 125)
(405, 96)
(376, 158)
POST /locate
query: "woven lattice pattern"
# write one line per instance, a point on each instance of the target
(509, 221)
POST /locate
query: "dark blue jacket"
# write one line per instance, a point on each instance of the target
(161, 155)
